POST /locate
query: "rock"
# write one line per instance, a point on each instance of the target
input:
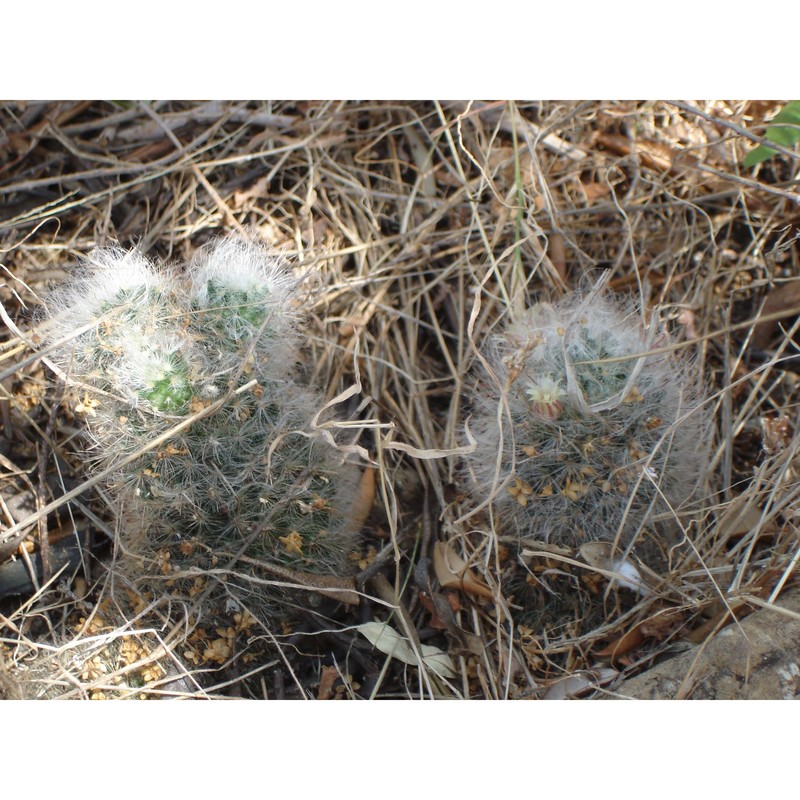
(758, 659)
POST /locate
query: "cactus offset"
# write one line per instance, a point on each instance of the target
(578, 438)
(245, 478)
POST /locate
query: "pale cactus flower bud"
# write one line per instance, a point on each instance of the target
(547, 395)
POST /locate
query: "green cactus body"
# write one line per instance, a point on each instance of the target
(167, 346)
(573, 444)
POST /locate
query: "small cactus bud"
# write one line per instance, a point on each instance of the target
(546, 395)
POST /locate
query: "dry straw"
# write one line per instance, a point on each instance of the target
(420, 232)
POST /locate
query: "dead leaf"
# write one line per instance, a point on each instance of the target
(329, 676)
(595, 191)
(662, 624)
(663, 621)
(719, 621)
(362, 504)
(723, 614)
(442, 608)
(389, 641)
(785, 297)
(597, 554)
(653, 155)
(741, 517)
(151, 151)
(623, 645)
(558, 255)
(579, 682)
(257, 189)
(426, 601)
(452, 572)
(453, 602)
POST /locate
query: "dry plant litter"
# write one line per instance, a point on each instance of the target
(418, 231)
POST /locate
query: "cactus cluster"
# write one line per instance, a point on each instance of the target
(579, 436)
(216, 346)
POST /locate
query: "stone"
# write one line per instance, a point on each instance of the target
(756, 659)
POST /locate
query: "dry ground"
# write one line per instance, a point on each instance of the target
(420, 226)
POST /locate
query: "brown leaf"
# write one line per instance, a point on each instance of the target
(579, 682)
(595, 191)
(760, 587)
(785, 297)
(442, 608)
(740, 517)
(719, 621)
(662, 624)
(362, 505)
(151, 151)
(653, 155)
(663, 621)
(455, 603)
(558, 255)
(452, 572)
(426, 601)
(623, 645)
(327, 679)
(259, 188)
(597, 554)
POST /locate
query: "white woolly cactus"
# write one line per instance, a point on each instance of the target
(579, 436)
(156, 347)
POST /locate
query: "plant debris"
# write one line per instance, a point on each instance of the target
(419, 230)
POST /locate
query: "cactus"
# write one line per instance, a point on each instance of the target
(151, 348)
(578, 437)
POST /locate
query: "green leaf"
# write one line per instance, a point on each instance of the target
(780, 134)
(758, 155)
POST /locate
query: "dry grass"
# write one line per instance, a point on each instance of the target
(421, 227)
